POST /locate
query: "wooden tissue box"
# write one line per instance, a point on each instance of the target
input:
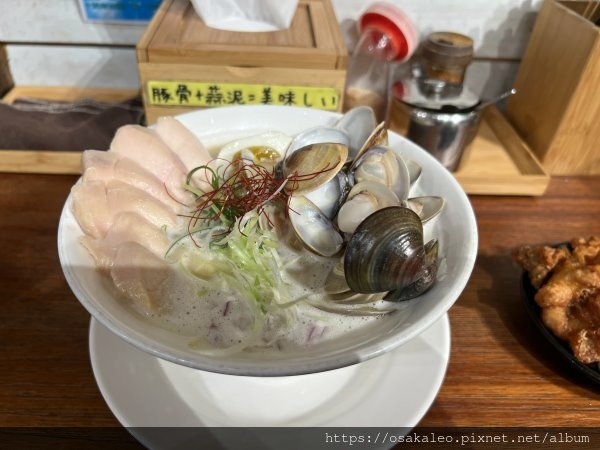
(557, 104)
(185, 65)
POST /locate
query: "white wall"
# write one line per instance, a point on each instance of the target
(48, 43)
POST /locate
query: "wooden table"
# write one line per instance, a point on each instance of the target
(500, 373)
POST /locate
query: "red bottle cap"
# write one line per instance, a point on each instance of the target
(388, 19)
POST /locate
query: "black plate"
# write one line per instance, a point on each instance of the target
(591, 371)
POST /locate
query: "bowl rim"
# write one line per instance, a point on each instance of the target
(300, 365)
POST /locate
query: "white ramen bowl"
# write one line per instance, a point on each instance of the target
(455, 228)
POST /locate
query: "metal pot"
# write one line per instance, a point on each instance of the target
(443, 118)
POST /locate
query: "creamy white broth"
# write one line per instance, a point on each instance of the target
(217, 317)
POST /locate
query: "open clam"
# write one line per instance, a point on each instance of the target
(378, 224)
(314, 157)
(427, 206)
(379, 136)
(313, 228)
(330, 196)
(359, 123)
(414, 170)
(364, 199)
(383, 165)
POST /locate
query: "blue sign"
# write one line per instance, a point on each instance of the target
(119, 10)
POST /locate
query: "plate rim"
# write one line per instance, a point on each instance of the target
(440, 355)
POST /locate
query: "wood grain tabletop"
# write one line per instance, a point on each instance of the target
(501, 371)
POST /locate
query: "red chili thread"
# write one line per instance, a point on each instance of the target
(247, 186)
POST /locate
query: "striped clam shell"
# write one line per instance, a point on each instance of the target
(386, 252)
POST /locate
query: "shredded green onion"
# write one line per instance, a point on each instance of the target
(246, 256)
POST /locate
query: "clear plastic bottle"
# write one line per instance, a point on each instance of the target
(386, 36)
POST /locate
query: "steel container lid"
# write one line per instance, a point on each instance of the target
(435, 95)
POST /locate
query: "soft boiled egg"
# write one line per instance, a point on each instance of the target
(264, 149)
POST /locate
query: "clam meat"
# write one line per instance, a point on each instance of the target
(381, 164)
(313, 227)
(364, 199)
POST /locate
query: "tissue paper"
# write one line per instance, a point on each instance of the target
(246, 15)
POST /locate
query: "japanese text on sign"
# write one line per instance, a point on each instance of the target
(200, 94)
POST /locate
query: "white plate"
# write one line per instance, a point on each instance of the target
(393, 390)
(455, 228)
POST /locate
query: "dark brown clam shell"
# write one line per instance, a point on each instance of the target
(424, 282)
(386, 252)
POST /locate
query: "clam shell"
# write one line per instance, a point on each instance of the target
(379, 136)
(335, 283)
(364, 199)
(313, 228)
(330, 196)
(427, 207)
(354, 298)
(310, 167)
(314, 157)
(424, 282)
(359, 123)
(384, 165)
(318, 135)
(386, 251)
(360, 310)
(414, 169)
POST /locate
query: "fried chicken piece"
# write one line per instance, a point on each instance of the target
(567, 321)
(568, 292)
(586, 345)
(538, 261)
(560, 321)
(569, 281)
(586, 251)
(578, 324)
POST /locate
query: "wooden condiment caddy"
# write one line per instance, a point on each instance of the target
(184, 64)
(557, 105)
